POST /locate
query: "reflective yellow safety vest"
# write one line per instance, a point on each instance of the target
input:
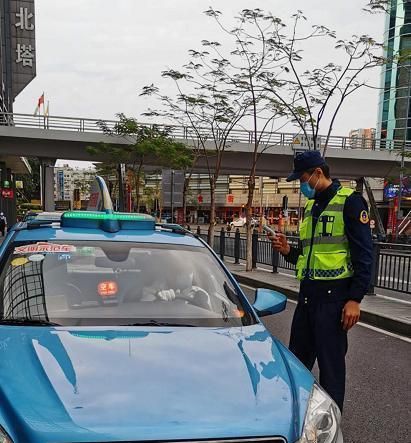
(326, 254)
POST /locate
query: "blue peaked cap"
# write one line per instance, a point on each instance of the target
(305, 161)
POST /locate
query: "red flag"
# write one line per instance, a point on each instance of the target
(41, 100)
(39, 103)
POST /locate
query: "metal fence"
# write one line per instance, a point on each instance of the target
(391, 269)
(79, 124)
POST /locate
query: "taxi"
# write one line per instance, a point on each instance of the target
(116, 329)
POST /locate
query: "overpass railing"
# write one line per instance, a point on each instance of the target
(187, 133)
(391, 269)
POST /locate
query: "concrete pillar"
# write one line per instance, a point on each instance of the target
(47, 183)
(359, 185)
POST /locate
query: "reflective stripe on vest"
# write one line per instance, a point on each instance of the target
(328, 249)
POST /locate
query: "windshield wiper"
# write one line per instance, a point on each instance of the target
(158, 323)
(27, 322)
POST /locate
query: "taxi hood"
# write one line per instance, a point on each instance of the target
(148, 383)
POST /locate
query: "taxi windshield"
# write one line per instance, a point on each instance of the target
(89, 283)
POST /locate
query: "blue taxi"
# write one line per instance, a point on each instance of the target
(115, 329)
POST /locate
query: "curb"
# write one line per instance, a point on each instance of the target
(371, 318)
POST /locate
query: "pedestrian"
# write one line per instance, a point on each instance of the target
(333, 263)
(228, 229)
(3, 224)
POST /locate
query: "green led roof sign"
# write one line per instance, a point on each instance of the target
(120, 216)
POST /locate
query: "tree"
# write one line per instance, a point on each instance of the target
(216, 94)
(276, 76)
(247, 61)
(314, 97)
(377, 6)
(265, 73)
(146, 143)
(208, 111)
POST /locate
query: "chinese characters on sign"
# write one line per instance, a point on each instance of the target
(230, 199)
(25, 18)
(7, 193)
(25, 55)
(23, 45)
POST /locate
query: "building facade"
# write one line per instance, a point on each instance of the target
(68, 179)
(363, 138)
(394, 119)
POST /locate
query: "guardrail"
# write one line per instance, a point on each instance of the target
(392, 267)
(187, 133)
(391, 262)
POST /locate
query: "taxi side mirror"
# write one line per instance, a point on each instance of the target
(268, 302)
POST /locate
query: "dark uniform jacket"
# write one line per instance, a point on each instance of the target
(359, 237)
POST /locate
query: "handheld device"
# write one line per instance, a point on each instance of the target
(270, 231)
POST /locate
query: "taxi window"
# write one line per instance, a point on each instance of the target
(119, 283)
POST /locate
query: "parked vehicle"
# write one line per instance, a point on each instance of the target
(115, 329)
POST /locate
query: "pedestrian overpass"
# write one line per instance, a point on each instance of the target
(51, 137)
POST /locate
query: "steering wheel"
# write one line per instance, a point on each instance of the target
(194, 295)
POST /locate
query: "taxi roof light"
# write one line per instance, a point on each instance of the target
(88, 215)
(107, 221)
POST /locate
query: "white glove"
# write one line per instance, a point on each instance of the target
(166, 294)
(190, 292)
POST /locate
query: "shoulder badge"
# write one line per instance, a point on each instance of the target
(364, 218)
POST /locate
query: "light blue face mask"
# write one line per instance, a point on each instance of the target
(307, 190)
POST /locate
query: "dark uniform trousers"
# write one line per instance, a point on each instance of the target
(317, 333)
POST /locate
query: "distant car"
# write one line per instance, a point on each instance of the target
(41, 215)
(30, 215)
(115, 329)
(242, 221)
(238, 222)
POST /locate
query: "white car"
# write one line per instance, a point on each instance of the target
(241, 222)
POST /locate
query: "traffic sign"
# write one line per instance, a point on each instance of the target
(372, 224)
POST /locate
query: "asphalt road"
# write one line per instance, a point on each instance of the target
(378, 396)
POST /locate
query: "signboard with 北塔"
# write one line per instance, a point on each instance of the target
(22, 58)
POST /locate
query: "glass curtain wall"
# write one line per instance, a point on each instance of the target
(395, 110)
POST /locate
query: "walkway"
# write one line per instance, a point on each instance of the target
(384, 312)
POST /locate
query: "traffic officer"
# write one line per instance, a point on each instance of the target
(333, 263)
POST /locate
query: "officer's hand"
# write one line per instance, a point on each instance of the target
(166, 294)
(350, 314)
(280, 243)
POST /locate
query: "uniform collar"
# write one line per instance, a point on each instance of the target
(328, 193)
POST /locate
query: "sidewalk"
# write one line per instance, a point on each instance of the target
(383, 312)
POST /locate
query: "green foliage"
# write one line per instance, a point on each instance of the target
(377, 6)
(146, 142)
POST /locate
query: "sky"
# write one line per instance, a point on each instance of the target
(94, 56)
